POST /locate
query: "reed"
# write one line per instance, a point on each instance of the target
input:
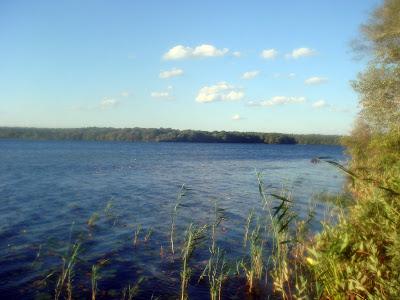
(65, 278)
(94, 278)
(136, 234)
(216, 272)
(148, 235)
(247, 227)
(254, 269)
(218, 218)
(174, 214)
(93, 219)
(131, 291)
(193, 237)
(108, 209)
(280, 216)
(109, 213)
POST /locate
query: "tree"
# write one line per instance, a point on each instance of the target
(374, 144)
(359, 257)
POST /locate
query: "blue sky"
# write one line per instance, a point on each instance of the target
(270, 66)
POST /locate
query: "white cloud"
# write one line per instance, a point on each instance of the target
(221, 91)
(269, 53)
(209, 51)
(108, 103)
(237, 53)
(233, 96)
(278, 100)
(160, 94)
(250, 74)
(178, 52)
(166, 94)
(281, 75)
(253, 103)
(315, 80)
(322, 104)
(319, 104)
(204, 50)
(236, 117)
(301, 52)
(170, 73)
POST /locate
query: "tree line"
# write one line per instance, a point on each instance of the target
(163, 135)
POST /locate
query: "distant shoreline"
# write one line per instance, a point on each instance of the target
(164, 135)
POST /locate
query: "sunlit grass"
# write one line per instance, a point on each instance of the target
(136, 234)
(193, 237)
(131, 291)
(275, 246)
(94, 278)
(255, 268)
(65, 278)
(216, 271)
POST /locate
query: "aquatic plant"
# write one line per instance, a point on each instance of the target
(359, 257)
(280, 215)
(254, 269)
(94, 278)
(109, 214)
(174, 214)
(131, 291)
(247, 227)
(218, 218)
(136, 234)
(193, 237)
(216, 272)
(93, 219)
(148, 235)
(66, 275)
(108, 209)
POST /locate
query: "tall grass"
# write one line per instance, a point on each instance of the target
(218, 218)
(65, 278)
(254, 270)
(174, 214)
(131, 291)
(297, 267)
(247, 228)
(280, 215)
(193, 237)
(93, 219)
(148, 234)
(94, 278)
(136, 234)
(216, 272)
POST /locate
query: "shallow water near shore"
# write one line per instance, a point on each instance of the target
(50, 189)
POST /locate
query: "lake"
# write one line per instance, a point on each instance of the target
(50, 189)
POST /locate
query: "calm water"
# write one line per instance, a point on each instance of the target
(49, 190)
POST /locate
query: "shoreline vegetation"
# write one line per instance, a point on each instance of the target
(164, 135)
(356, 255)
(273, 264)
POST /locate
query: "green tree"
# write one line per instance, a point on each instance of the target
(374, 144)
(359, 257)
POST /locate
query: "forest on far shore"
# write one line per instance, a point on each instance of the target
(163, 135)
